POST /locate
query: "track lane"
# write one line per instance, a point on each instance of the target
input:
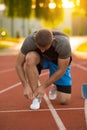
(71, 117)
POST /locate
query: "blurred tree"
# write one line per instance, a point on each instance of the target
(83, 6)
(18, 8)
(50, 16)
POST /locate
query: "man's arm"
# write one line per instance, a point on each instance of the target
(21, 74)
(19, 67)
(62, 66)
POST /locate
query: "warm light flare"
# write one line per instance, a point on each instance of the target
(52, 5)
(78, 2)
(3, 33)
(67, 4)
(2, 7)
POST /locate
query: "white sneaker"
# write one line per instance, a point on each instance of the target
(52, 93)
(35, 104)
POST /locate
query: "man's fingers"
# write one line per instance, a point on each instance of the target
(29, 96)
(26, 96)
(40, 95)
(35, 94)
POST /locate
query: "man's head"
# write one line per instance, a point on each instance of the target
(44, 37)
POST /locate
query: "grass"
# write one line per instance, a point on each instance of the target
(16, 40)
(3, 46)
(82, 47)
(8, 42)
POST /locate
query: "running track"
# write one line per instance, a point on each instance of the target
(14, 108)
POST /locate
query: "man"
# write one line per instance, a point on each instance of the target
(45, 49)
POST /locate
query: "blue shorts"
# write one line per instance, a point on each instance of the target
(64, 81)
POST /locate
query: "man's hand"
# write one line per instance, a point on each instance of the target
(28, 93)
(40, 91)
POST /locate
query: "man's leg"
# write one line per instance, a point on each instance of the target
(63, 90)
(63, 98)
(63, 94)
(53, 92)
(32, 59)
(31, 72)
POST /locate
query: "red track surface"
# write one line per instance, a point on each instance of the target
(14, 108)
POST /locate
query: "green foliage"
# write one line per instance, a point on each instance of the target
(10, 39)
(67, 31)
(83, 6)
(3, 46)
(18, 8)
(23, 8)
(9, 42)
(82, 47)
(50, 17)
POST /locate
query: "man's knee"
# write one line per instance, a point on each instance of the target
(64, 101)
(63, 98)
(32, 58)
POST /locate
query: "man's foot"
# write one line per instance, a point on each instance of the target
(35, 104)
(52, 93)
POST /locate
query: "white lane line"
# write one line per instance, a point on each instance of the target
(10, 87)
(80, 66)
(85, 105)
(82, 63)
(77, 65)
(85, 100)
(7, 70)
(55, 115)
(15, 85)
(40, 110)
(53, 112)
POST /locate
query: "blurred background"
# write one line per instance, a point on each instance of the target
(18, 18)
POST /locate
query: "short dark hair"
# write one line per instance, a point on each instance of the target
(44, 37)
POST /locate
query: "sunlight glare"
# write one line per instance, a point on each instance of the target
(52, 5)
(2, 7)
(67, 4)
